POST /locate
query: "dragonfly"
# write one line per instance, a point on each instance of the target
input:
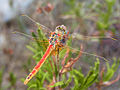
(56, 40)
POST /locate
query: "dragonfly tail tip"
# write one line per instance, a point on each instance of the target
(25, 82)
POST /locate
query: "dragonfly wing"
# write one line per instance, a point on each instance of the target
(34, 25)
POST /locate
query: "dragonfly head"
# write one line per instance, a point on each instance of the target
(63, 32)
(61, 29)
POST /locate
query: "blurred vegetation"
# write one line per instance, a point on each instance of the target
(1, 75)
(12, 81)
(84, 17)
(103, 11)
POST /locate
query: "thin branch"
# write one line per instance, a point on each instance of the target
(66, 55)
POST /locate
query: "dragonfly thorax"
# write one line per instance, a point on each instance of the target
(53, 40)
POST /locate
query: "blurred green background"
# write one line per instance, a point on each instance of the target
(83, 18)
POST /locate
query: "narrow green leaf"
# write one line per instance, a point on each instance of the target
(62, 53)
(31, 48)
(92, 80)
(1, 76)
(58, 84)
(12, 79)
(67, 82)
(32, 86)
(108, 75)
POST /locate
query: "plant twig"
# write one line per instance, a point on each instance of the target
(70, 63)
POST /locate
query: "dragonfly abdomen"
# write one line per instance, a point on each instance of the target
(37, 67)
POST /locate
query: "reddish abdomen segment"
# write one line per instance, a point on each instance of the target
(37, 67)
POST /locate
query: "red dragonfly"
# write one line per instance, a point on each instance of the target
(57, 38)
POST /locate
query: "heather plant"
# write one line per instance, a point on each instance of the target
(54, 75)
